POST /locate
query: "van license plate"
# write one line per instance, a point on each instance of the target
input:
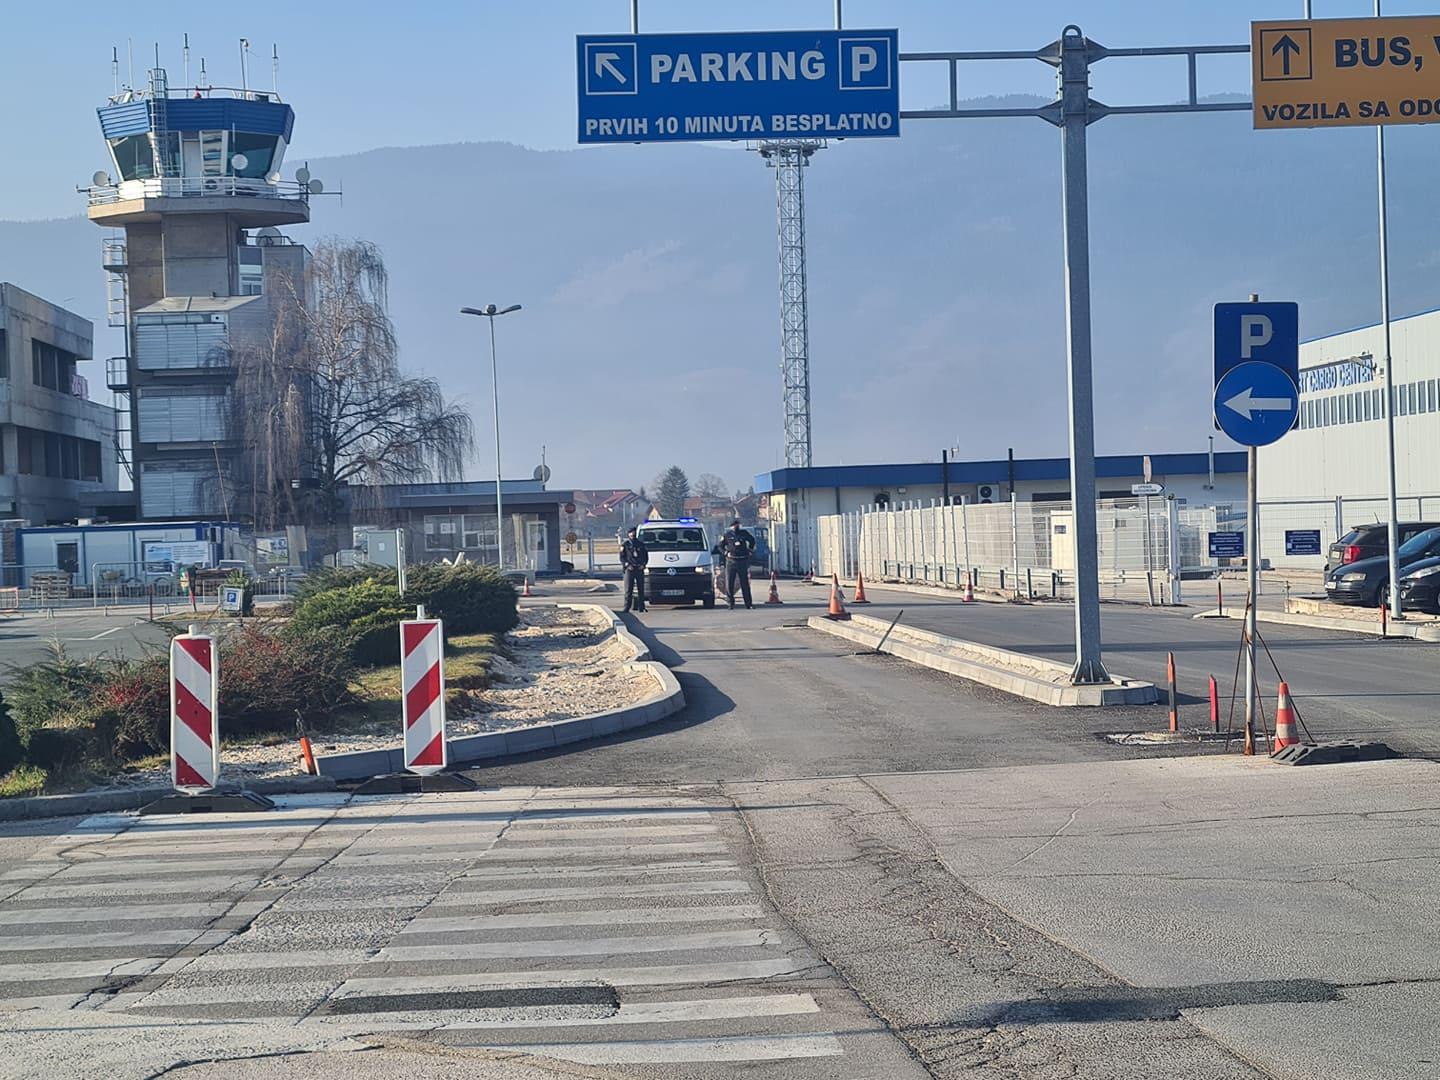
(672, 592)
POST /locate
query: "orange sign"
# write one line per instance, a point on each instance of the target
(1346, 72)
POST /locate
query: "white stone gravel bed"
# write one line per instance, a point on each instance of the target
(564, 663)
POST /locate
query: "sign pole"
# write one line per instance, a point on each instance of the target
(1075, 117)
(1392, 545)
(1252, 572)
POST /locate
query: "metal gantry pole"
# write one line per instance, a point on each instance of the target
(1388, 361)
(1074, 76)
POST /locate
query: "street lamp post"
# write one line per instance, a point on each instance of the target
(490, 311)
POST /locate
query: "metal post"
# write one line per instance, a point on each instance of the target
(1014, 540)
(1339, 516)
(634, 16)
(1173, 524)
(400, 581)
(495, 395)
(945, 477)
(1252, 572)
(965, 533)
(1389, 364)
(1075, 115)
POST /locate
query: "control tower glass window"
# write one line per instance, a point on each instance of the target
(134, 157)
(258, 151)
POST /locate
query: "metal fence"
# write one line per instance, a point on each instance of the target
(1331, 518)
(1021, 548)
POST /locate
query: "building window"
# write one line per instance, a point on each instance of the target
(4, 356)
(1431, 389)
(1365, 403)
(1378, 397)
(51, 367)
(134, 157)
(259, 152)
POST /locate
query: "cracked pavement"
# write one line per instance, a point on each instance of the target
(830, 866)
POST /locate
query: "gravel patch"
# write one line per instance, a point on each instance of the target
(564, 663)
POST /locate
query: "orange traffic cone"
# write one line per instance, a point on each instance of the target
(859, 597)
(969, 589)
(810, 575)
(837, 605)
(1286, 733)
(774, 597)
(527, 591)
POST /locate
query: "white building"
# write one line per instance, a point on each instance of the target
(1338, 449)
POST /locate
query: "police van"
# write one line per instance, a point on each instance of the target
(681, 568)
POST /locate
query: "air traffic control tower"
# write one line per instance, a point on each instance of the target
(197, 263)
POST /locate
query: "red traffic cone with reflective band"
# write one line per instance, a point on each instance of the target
(527, 591)
(969, 589)
(837, 604)
(774, 597)
(1286, 733)
(859, 597)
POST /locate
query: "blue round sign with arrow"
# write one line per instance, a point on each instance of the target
(1256, 403)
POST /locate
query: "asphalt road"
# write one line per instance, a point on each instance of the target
(28, 639)
(1345, 685)
(767, 698)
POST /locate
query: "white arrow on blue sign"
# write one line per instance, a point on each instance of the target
(1255, 403)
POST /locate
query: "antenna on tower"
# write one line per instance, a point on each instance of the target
(157, 54)
(204, 81)
(275, 70)
(115, 68)
(185, 53)
(130, 60)
(244, 70)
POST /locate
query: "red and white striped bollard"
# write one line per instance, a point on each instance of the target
(194, 718)
(422, 688)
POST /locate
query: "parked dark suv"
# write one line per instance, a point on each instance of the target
(1368, 541)
(1368, 581)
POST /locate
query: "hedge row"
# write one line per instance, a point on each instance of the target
(365, 603)
(64, 713)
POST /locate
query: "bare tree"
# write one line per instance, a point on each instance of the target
(323, 404)
(710, 486)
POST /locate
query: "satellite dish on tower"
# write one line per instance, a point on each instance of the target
(541, 473)
(302, 175)
(315, 187)
(100, 179)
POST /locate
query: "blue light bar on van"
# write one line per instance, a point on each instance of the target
(686, 521)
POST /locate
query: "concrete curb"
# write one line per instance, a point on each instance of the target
(1369, 627)
(108, 801)
(1015, 673)
(488, 745)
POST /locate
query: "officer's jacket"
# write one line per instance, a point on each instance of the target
(634, 554)
(737, 545)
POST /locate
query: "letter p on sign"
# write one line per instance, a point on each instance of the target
(863, 58)
(1255, 333)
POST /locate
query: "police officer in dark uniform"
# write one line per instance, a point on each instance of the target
(737, 545)
(634, 555)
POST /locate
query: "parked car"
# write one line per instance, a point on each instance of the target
(1368, 541)
(1367, 582)
(1420, 586)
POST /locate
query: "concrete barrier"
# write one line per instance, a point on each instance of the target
(113, 799)
(1340, 619)
(1016, 673)
(489, 745)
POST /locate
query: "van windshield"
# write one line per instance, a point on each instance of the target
(676, 539)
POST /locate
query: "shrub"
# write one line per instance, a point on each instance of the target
(367, 613)
(21, 781)
(470, 599)
(11, 749)
(40, 693)
(331, 579)
(129, 711)
(268, 679)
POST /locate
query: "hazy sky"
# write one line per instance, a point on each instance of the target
(373, 74)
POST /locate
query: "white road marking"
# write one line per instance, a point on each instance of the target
(65, 942)
(485, 923)
(698, 866)
(456, 896)
(611, 946)
(658, 975)
(179, 887)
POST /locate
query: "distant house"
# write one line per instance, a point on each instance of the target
(603, 512)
